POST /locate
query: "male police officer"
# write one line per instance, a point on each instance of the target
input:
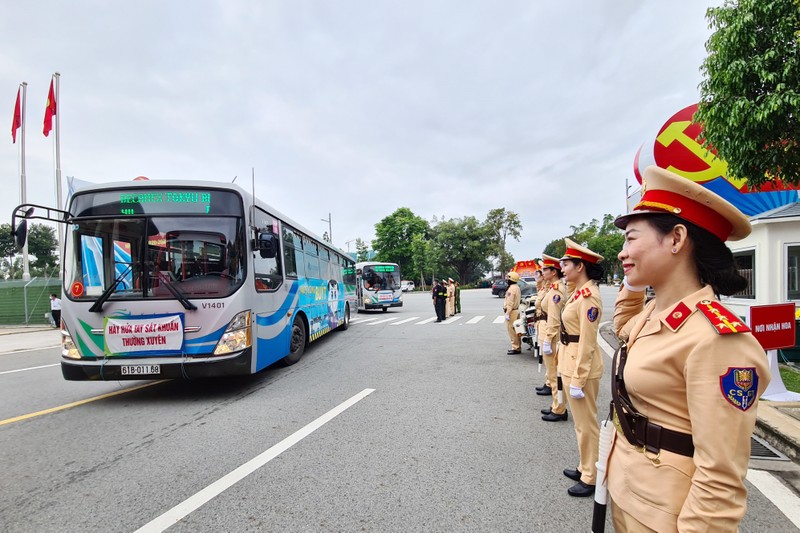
(511, 310)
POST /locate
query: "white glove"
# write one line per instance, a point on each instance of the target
(508, 317)
(634, 288)
(576, 392)
(547, 348)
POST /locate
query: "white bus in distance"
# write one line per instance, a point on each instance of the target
(378, 285)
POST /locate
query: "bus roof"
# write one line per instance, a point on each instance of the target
(86, 187)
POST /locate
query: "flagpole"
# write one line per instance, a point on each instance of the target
(57, 77)
(23, 195)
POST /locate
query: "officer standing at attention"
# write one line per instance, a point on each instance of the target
(439, 300)
(458, 298)
(580, 360)
(451, 297)
(552, 305)
(539, 322)
(685, 387)
(511, 310)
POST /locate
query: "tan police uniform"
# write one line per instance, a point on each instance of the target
(552, 305)
(541, 321)
(511, 310)
(696, 373)
(451, 297)
(580, 361)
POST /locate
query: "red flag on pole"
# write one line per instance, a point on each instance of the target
(17, 120)
(49, 111)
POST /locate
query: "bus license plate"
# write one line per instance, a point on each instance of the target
(140, 370)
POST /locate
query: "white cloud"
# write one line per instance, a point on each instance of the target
(357, 107)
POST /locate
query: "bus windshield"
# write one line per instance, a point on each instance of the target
(154, 257)
(381, 277)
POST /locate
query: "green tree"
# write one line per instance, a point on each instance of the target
(750, 96)
(42, 244)
(362, 252)
(394, 235)
(501, 225)
(464, 247)
(7, 249)
(422, 257)
(601, 237)
(555, 248)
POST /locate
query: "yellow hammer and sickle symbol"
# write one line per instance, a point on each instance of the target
(676, 132)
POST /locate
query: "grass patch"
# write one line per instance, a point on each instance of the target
(791, 378)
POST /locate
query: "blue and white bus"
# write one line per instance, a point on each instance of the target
(378, 285)
(179, 279)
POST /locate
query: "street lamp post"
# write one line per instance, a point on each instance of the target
(330, 228)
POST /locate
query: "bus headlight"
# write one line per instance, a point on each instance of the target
(236, 336)
(68, 348)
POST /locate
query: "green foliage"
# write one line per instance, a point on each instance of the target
(791, 378)
(601, 237)
(42, 244)
(463, 246)
(362, 251)
(394, 235)
(751, 92)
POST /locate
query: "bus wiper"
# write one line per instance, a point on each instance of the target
(176, 292)
(98, 305)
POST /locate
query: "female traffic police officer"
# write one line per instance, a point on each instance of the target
(539, 323)
(580, 360)
(685, 390)
(552, 304)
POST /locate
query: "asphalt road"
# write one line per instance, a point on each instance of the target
(443, 433)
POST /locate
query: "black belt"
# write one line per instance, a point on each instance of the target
(566, 339)
(542, 315)
(636, 427)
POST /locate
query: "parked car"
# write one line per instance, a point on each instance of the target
(499, 288)
(406, 285)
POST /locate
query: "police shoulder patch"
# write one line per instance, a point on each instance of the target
(556, 298)
(722, 318)
(592, 314)
(739, 387)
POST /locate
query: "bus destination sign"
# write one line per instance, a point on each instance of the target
(195, 201)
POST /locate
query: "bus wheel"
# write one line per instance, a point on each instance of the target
(297, 344)
(346, 319)
(385, 309)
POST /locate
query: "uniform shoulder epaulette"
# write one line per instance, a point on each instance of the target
(722, 318)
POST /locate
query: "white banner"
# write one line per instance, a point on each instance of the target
(143, 335)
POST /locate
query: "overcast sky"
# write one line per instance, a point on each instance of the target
(450, 108)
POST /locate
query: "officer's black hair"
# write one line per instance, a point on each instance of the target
(593, 270)
(714, 260)
(559, 274)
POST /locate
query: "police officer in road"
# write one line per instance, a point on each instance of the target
(511, 310)
(552, 304)
(686, 385)
(439, 294)
(580, 360)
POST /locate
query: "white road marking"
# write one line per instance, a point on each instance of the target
(194, 502)
(426, 321)
(452, 319)
(784, 499)
(404, 321)
(475, 320)
(363, 320)
(499, 320)
(382, 321)
(29, 368)
(30, 349)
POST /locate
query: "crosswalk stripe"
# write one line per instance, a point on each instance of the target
(404, 321)
(363, 320)
(475, 320)
(426, 321)
(499, 320)
(382, 321)
(452, 319)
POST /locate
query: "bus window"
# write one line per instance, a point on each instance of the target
(268, 273)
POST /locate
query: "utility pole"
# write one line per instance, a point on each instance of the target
(330, 229)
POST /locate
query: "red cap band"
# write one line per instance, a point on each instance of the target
(686, 208)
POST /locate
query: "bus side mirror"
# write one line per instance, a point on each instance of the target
(267, 245)
(20, 233)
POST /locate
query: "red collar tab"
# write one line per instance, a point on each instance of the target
(678, 316)
(722, 318)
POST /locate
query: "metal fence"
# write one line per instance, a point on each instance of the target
(27, 302)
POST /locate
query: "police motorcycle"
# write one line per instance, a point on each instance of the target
(525, 326)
